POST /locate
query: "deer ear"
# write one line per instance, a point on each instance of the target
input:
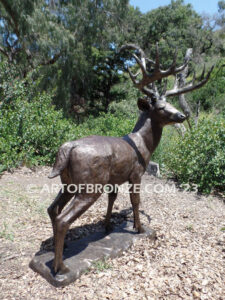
(143, 104)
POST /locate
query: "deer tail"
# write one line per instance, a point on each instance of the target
(62, 159)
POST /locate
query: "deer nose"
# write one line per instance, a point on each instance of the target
(180, 117)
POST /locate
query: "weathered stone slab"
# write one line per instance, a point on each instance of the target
(80, 254)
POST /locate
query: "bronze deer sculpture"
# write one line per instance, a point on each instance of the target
(112, 160)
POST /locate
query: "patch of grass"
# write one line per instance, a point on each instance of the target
(222, 229)
(189, 227)
(6, 234)
(101, 265)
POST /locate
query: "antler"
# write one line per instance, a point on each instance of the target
(146, 83)
(190, 86)
(157, 74)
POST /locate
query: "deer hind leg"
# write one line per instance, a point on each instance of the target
(57, 206)
(75, 209)
(135, 201)
(111, 199)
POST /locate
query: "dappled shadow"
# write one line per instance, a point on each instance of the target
(146, 215)
(96, 241)
(80, 232)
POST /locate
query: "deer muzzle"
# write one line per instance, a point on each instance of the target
(179, 117)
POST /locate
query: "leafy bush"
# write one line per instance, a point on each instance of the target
(167, 144)
(31, 130)
(198, 157)
(106, 124)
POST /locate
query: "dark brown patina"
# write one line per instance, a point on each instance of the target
(112, 160)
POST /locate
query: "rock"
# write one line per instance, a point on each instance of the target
(196, 294)
(153, 169)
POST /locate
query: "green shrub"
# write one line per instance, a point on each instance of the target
(31, 130)
(107, 124)
(198, 157)
(167, 143)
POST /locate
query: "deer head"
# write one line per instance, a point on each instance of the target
(161, 111)
(155, 101)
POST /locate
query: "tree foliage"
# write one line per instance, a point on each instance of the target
(72, 47)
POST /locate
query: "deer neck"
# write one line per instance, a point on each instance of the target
(149, 131)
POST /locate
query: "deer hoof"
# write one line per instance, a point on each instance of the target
(60, 268)
(63, 270)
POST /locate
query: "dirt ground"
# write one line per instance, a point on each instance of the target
(187, 261)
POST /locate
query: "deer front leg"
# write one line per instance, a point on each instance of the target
(74, 210)
(135, 201)
(111, 200)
